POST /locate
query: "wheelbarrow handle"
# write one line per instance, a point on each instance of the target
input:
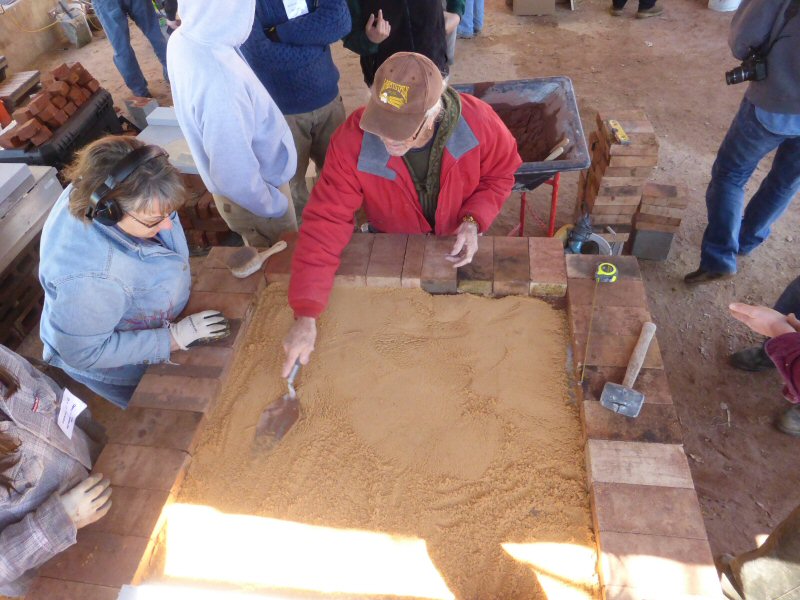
(638, 354)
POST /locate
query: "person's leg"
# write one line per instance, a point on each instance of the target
(646, 4)
(329, 118)
(241, 221)
(618, 4)
(272, 229)
(120, 395)
(115, 23)
(300, 126)
(745, 144)
(146, 19)
(465, 27)
(789, 300)
(773, 196)
(477, 17)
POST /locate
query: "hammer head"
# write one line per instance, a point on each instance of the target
(623, 400)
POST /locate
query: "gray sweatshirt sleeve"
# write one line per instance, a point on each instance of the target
(752, 24)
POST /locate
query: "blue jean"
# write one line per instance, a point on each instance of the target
(113, 15)
(732, 230)
(789, 301)
(472, 21)
(119, 395)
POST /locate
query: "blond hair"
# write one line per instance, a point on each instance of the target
(154, 186)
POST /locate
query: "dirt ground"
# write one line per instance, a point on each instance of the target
(671, 66)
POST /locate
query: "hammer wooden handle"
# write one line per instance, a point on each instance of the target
(638, 354)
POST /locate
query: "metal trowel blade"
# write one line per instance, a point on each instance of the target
(277, 419)
(623, 400)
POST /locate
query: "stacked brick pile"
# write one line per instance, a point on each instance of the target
(64, 90)
(612, 189)
(662, 208)
(199, 216)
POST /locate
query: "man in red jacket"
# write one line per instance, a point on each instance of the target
(419, 158)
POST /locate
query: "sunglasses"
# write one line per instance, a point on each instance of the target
(150, 225)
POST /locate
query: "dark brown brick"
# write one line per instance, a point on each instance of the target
(222, 280)
(652, 382)
(279, 267)
(584, 266)
(412, 263)
(386, 261)
(438, 275)
(655, 423)
(511, 266)
(352, 271)
(548, 270)
(478, 276)
(134, 511)
(175, 392)
(160, 428)
(621, 293)
(233, 306)
(46, 588)
(142, 467)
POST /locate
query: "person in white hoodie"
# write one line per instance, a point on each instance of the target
(238, 137)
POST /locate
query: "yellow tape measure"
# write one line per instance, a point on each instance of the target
(606, 273)
(618, 132)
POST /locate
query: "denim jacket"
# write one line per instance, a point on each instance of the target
(109, 296)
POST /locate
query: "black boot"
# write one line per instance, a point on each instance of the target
(751, 359)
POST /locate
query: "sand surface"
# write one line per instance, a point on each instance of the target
(445, 419)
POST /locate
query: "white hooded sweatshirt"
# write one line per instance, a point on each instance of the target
(239, 140)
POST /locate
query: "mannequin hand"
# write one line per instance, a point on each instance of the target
(200, 327)
(378, 29)
(299, 343)
(466, 241)
(88, 501)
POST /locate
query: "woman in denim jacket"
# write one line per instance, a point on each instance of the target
(113, 288)
(46, 492)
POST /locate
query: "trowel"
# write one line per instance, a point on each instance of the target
(623, 399)
(279, 417)
(248, 260)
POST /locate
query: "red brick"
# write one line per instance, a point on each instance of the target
(222, 280)
(584, 266)
(60, 88)
(646, 509)
(609, 350)
(61, 72)
(385, 267)
(652, 382)
(548, 270)
(352, 271)
(658, 566)
(134, 511)
(59, 101)
(46, 588)
(438, 275)
(478, 276)
(233, 306)
(637, 463)
(38, 102)
(41, 137)
(175, 392)
(70, 108)
(102, 559)
(21, 115)
(11, 140)
(142, 467)
(219, 255)
(621, 293)
(512, 266)
(279, 266)
(655, 423)
(75, 94)
(412, 263)
(201, 361)
(156, 427)
(93, 85)
(27, 130)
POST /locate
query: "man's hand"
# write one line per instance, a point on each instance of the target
(763, 320)
(88, 501)
(378, 29)
(174, 24)
(451, 21)
(466, 241)
(299, 343)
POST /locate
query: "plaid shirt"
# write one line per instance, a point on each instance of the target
(33, 523)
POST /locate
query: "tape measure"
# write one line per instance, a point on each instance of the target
(606, 273)
(618, 132)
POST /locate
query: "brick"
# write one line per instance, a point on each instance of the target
(659, 567)
(648, 510)
(59, 101)
(584, 266)
(202, 361)
(658, 219)
(645, 226)
(75, 94)
(412, 263)
(619, 186)
(614, 209)
(175, 392)
(655, 423)
(438, 275)
(233, 306)
(478, 276)
(661, 190)
(93, 85)
(662, 211)
(134, 511)
(61, 72)
(21, 115)
(222, 280)
(46, 113)
(142, 467)
(352, 271)
(612, 320)
(637, 463)
(10, 139)
(156, 427)
(613, 350)
(102, 559)
(70, 108)
(548, 270)
(633, 161)
(60, 88)
(629, 292)
(219, 256)
(385, 267)
(634, 122)
(47, 588)
(651, 382)
(279, 266)
(665, 202)
(512, 266)
(41, 137)
(38, 102)
(27, 130)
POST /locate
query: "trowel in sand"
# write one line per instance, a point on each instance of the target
(248, 260)
(281, 415)
(623, 399)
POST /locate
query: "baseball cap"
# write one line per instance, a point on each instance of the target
(406, 86)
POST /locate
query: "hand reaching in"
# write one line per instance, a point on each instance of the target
(299, 343)
(763, 320)
(378, 29)
(466, 244)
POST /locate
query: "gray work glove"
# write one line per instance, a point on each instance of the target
(201, 327)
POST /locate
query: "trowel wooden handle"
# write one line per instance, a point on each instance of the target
(638, 354)
(274, 249)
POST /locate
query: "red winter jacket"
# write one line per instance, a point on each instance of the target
(478, 168)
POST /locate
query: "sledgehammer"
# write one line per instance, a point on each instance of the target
(623, 399)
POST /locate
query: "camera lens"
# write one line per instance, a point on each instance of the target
(734, 76)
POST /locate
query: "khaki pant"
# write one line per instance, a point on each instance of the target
(312, 133)
(260, 232)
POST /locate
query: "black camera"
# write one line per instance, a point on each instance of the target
(753, 68)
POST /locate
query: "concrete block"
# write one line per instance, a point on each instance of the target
(652, 245)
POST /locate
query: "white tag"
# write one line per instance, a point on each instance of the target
(71, 407)
(295, 8)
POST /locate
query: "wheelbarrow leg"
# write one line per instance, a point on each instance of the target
(520, 227)
(555, 182)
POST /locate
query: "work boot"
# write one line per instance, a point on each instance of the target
(649, 12)
(789, 422)
(701, 275)
(751, 359)
(616, 12)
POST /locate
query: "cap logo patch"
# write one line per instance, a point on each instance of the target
(394, 94)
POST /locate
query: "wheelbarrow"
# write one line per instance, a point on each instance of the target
(540, 113)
